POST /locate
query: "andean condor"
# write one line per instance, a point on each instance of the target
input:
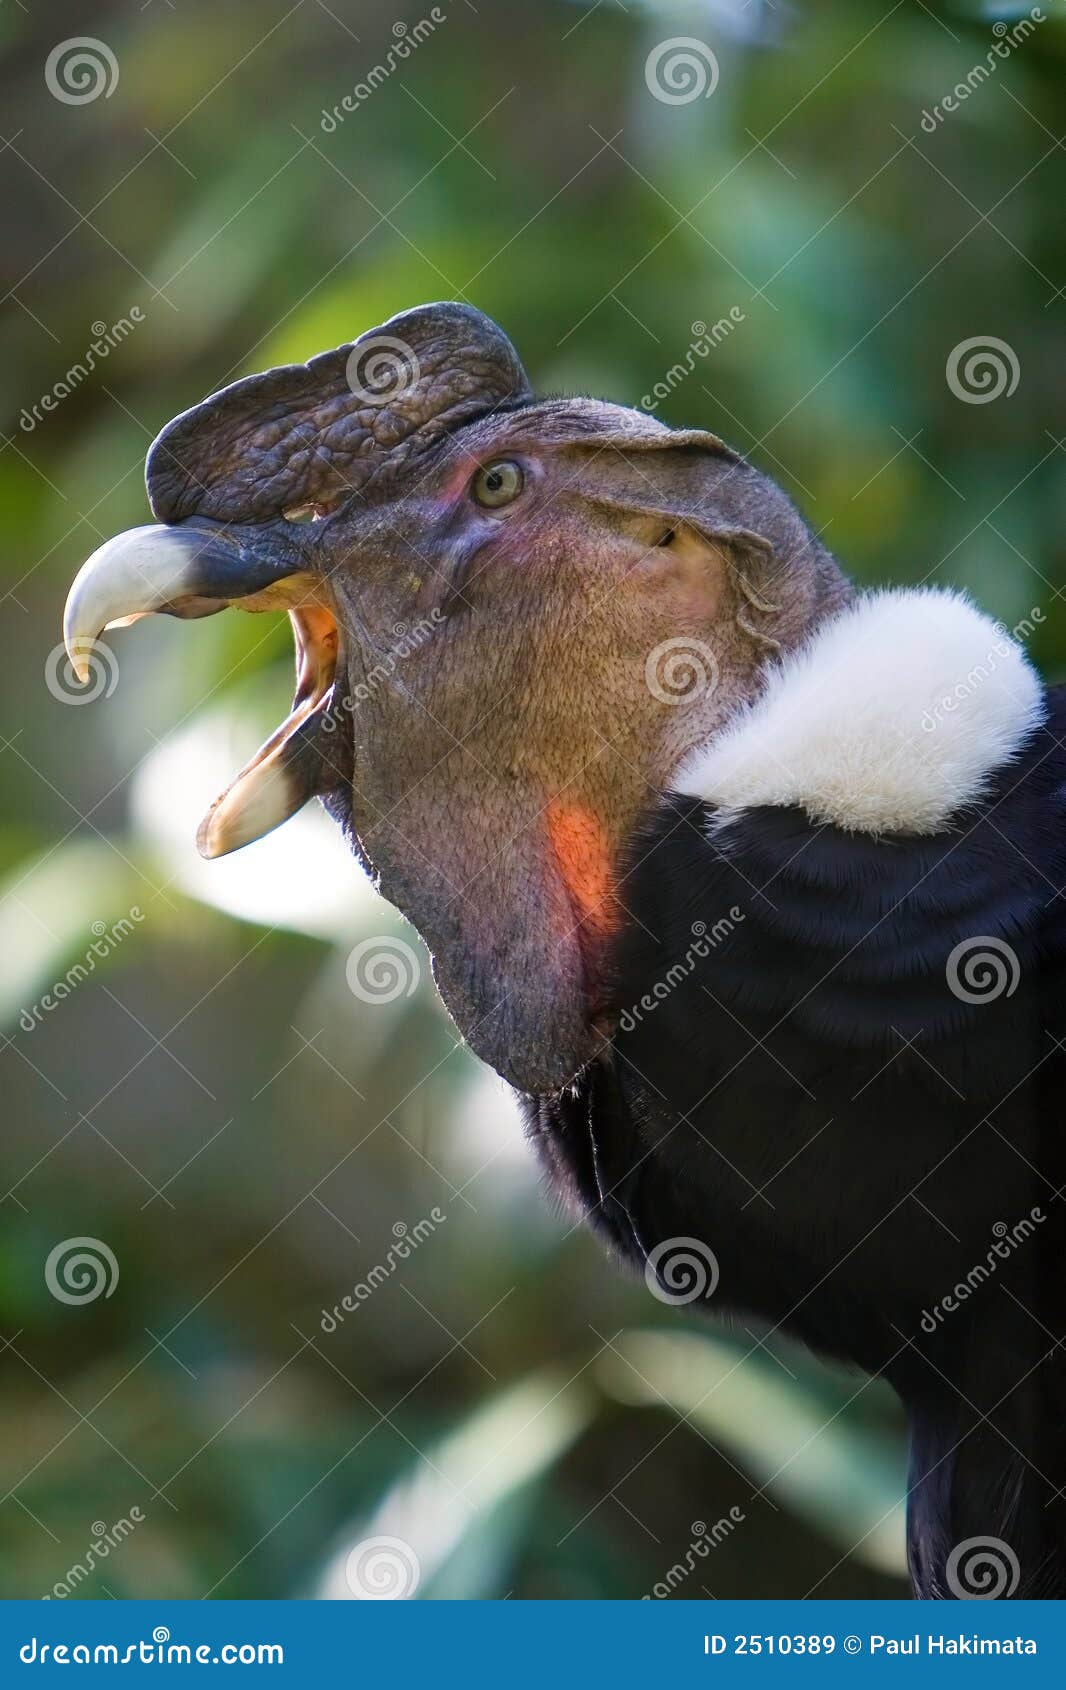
(751, 884)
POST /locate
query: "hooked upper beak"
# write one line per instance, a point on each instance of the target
(190, 569)
(196, 568)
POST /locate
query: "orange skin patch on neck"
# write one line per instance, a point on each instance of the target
(583, 855)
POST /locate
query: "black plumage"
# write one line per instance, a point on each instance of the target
(794, 1083)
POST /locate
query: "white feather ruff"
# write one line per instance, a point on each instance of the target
(891, 718)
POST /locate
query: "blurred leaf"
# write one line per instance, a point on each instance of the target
(460, 1511)
(844, 1480)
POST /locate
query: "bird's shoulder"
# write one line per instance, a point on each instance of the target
(844, 932)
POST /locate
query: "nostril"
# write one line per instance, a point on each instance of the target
(311, 513)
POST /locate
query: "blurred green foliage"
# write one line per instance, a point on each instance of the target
(212, 1101)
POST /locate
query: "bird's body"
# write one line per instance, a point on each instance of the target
(875, 1162)
(773, 944)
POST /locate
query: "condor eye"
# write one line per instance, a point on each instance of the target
(497, 484)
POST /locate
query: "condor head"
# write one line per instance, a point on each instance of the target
(512, 618)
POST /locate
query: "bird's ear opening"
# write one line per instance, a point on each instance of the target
(706, 569)
(700, 559)
(683, 488)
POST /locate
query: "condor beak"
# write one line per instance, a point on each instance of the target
(190, 569)
(197, 568)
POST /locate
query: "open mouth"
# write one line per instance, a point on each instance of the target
(266, 792)
(194, 570)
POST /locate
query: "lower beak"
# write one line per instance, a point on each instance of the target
(303, 756)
